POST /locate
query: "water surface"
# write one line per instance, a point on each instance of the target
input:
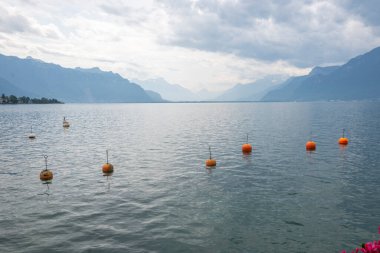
(161, 198)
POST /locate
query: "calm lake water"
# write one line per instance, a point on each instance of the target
(161, 198)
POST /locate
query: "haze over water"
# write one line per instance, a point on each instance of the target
(161, 198)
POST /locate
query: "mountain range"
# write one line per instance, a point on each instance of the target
(252, 91)
(175, 92)
(168, 91)
(358, 79)
(31, 77)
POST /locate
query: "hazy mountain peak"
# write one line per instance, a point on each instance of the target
(251, 91)
(323, 70)
(90, 70)
(34, 59)
(168, 91)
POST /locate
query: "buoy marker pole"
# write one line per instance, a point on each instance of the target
(46, 157)
(209, 149)
(343, 132)
(247, 138)
(107, 168)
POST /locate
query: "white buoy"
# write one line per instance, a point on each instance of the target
(65, 122)
(31, 135)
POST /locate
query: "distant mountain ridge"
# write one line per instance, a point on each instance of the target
(251, 91)
(175, 92)
(358, 79)
(31, 77)
(172, 92)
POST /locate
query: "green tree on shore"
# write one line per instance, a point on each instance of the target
(12, 99)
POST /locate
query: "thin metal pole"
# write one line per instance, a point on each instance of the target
(46, 157)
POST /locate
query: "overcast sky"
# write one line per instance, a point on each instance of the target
(198, 44)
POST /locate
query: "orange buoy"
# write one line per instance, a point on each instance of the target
(343, 140)
(107, 168)
(246, 148)
(210, 162)
(46, 174)
(310, 146)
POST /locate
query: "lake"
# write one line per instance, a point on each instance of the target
(162, 198)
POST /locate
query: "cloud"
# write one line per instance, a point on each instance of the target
(13, 23)
(211, 44)
(368, 10)
(16, 23)
(115, 10)
(304, 33)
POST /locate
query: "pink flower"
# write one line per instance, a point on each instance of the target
(369, 247)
